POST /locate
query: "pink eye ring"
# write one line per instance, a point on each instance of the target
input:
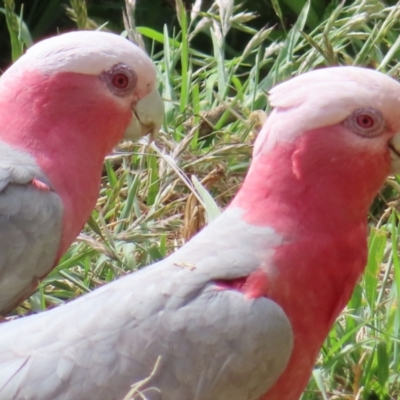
(366, 122)
(120, 80)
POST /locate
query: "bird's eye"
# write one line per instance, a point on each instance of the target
(366, 122)
(120, 80)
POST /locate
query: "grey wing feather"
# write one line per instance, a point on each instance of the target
(211, 344)
(30, 226)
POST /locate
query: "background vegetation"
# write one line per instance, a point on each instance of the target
(216, 60)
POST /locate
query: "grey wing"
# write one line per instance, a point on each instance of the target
(220, 346)
(211, 344)
(30, 226)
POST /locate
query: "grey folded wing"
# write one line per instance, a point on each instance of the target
(211, 344)
(30, 226)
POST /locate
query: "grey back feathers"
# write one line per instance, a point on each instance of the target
(211, 344)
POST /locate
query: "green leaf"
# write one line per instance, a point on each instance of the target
(210, 206)
(382, 371)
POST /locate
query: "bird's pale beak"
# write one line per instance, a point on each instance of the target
(394, 147)
(147, 117)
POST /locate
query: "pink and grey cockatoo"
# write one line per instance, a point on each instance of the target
(241, 311)
(63, 106)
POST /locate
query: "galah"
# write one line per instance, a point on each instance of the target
(63, 107)
(240, 311)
